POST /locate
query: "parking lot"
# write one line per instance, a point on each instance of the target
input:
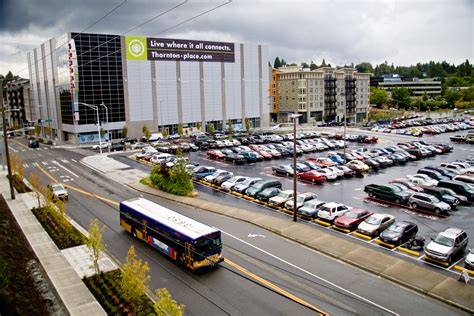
(350, 191)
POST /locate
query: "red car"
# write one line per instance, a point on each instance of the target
(351, 219)
(264, 154)
(215, 154)
(322, 161)
(312, 176)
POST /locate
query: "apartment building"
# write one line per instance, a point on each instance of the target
(324, 94)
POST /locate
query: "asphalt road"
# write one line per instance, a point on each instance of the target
(227, 290)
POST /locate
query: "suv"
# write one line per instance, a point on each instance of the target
(281, 198)
(58, 191)
(447, 245)
(330, 211)
(428, 202)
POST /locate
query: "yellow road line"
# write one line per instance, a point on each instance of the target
(115, 203)
(22, 145)
(275, 288)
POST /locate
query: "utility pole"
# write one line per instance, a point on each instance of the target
(295, 207)
(5, 139)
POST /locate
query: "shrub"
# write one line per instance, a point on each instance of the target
(41, 140)
(175, 180)
(50, 142)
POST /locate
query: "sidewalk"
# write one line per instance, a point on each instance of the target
(405, 273)
(76, 299)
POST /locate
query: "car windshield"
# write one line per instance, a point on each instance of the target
(434, 199)
(445, 241)
(396, 228)
(284, 195)
(300, 199)
(248, 181)
(373, 220)
(57, 187)
(327, 209)
(258, 185)
(353, 214)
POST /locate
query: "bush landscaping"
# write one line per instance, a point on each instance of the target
(58, 227)
(176, 180)
(19, 185)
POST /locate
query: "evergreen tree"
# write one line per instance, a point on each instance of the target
(277, 63)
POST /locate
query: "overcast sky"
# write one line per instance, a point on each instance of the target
(341, 31)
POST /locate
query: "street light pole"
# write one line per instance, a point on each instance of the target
(295, 208)
(107, 119)
(96, 108)
(5, 139)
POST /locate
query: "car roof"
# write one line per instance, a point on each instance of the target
(380, 215)
(332, 204)
(453, 231)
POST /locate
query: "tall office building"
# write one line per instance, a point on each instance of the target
(157, 82)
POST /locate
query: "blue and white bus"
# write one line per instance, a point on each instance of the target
(181, 238)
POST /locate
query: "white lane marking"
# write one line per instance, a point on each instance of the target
(44, 163)
(25, 165)
(74, 160)
(64, 161)
(23, 149)
(35, 164)
(66, 180)
(60, 165)
(13, 149)
(313, 275)
(255, 235)
(61, 176)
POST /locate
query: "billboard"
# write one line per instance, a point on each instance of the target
(147, 48)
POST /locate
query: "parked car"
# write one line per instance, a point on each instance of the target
(445, 191)
(458, 187)
(399, 233)
(313, 176)
(267, 194)
(217, 173)
(58, 191)
(469, 261)
(229, 184)
(116, 146)
(387, 193)
(310, 208)
(281, 198)
(358, 166)
(218, 181)
(103, 145)
(283, 170)
(372, 163)
(251, 156)
(428, 202)
(348, 172)
(33, 143)
(452, 201)
(244, 185)
(433, 174)
(375, 224)
(448, 245)
(203, 171)
(262, 185)
(329, 174)
(351, 219)
(422, 180)
(466, 179)
(300, 200)
(330, 211)
(234, 158)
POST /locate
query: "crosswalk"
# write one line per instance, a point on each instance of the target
(59, 167)
(21, 149)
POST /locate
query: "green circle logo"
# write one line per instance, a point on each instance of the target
(136, 48)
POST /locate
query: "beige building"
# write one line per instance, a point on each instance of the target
(323, 94)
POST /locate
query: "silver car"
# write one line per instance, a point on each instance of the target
(428, 202)
(447, 245)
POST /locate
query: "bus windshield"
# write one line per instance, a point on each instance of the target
(208, 245)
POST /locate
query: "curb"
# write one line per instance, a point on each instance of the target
(353, 263)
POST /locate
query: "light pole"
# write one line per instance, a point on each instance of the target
(5, 139)
(96, 108)
(345, 125)
(107, 119)
(295, 208)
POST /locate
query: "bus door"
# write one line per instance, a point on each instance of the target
(188, 255)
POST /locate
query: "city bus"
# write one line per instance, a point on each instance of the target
(183, 239)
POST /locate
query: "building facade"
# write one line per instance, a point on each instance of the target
(17, 97)
(418, 87)
(324, 94)
(160, 83)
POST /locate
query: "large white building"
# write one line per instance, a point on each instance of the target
(160, 83)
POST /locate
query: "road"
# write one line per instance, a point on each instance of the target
(236, 286)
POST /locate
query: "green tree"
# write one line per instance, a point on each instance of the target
(37, 186)
(198, 125)
(124, 131)
(313, 66)
(180, 129)
(135, 278)
(95, 243)
(102, 133)
(37, 130)
(283, 62)
(451, 96)
(247, 124)
(210, 128)
(277, 63)
(165, 133)
(401, 97)
(304, 65)
(165, 305)
(145, 131)
(378, 97)
(230, 127)
(364, 67)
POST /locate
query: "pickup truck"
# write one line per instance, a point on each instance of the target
(387, 193)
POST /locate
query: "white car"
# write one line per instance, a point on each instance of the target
(218, 173)
(229, 184)
(339, 173)
(58, 191)
(375, 224)
(103, 145)
(220, 144)
(469, 261)
(422, 180)
(300, 200)
(330, 211)
(228, 143)
(281, 198)
(329, 174)
(236, 142)
(158, 158)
